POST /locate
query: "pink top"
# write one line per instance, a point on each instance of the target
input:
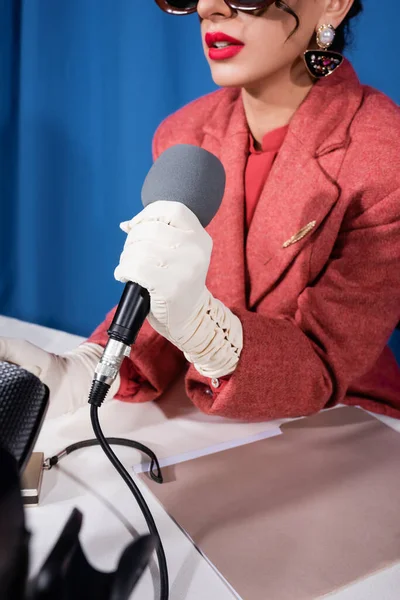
(258, 167)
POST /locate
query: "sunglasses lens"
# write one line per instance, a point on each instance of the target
(182, 5)
(251, 4)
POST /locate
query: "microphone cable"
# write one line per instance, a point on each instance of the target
(162, 561)
(155, 475)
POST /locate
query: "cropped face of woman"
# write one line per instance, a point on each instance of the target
(246, 49)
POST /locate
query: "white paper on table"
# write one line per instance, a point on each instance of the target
(178, 458)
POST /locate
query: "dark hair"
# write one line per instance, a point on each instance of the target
(343, 32)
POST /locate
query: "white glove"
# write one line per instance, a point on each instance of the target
(68, 377)
(167, 251)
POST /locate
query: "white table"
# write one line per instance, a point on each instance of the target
(86, 480)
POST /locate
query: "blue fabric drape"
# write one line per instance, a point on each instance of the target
(84, 84)
(9, 92)
(95, 78)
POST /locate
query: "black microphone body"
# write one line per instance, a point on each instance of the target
(131, 312)
(183, 173)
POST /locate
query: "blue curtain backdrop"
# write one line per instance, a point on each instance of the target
(84, 84)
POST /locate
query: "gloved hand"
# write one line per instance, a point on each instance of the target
(167, 251)
(68, 376)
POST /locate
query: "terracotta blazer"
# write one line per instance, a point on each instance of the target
(322, 256)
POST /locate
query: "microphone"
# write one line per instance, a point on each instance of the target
(183, 173)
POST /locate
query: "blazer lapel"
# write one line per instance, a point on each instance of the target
(226, 275)
(301, 188)
(295, 200)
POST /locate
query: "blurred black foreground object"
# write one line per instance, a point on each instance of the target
(66, 573)
(23, 403)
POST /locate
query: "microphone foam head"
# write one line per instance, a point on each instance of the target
(187, 174)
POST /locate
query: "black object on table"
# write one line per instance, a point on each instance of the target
(66, 574)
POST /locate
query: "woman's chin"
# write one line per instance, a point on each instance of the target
(224, 76)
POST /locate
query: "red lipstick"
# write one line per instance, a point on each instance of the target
(222, 46)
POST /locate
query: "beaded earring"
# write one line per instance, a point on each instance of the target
(323, 62)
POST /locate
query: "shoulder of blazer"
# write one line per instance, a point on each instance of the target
(187, 125)
(377, 119)
(371, 167)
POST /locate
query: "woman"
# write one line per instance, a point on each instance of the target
(292, 309)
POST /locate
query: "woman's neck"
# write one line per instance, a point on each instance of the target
(273, 103)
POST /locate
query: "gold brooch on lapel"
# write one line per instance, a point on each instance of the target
(300, 234)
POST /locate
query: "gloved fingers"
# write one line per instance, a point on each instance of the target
(145, 271)
(185, 267)
(34, 369)
(159, 233)
(157, 277)
(24, 354)
(169, 238)
(172, 213)
(149, 253)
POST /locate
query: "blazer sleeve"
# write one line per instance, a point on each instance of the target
(297, 366)
(153, 362)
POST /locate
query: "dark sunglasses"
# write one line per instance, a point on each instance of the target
(185, 7)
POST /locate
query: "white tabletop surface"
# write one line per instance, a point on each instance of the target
(86, 480)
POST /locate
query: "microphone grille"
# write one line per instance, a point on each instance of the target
(188, 174)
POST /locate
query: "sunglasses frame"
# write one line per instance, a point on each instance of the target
(167, 7)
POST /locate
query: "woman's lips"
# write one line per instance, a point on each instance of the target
(222, 46)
